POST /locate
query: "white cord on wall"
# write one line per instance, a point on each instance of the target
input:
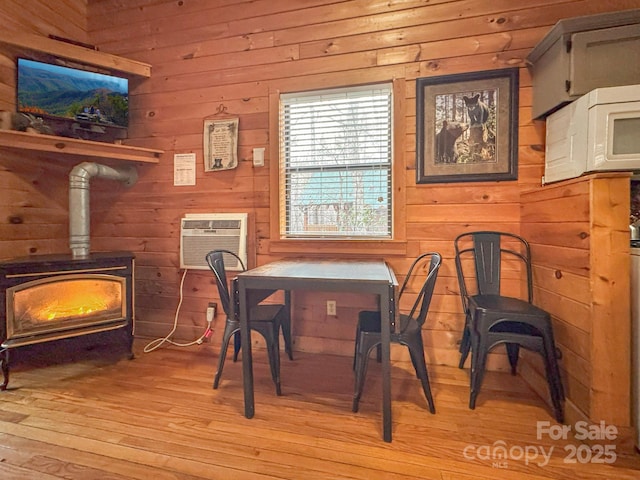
(158, 342)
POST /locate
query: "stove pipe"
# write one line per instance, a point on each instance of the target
(79, 211)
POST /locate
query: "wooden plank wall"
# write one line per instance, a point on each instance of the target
(218, 58)
(226, 57)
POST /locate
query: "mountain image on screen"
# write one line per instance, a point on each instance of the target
(46, 89)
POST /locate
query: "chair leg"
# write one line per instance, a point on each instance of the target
(236, 346)
(554, 354)
(472, 371)
(355, 350)
(554, 378)
(478, 364)
(513, 352)
(550, 356)
(228, 333)
(416, 350)
(361, 363)
(465, 346)
(273, 351)
(286, 335)
(554, 391)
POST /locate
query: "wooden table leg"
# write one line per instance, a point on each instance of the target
(387, 308)
(247, 360)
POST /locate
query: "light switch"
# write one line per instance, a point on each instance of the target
(258, 157)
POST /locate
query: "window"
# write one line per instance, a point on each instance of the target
(335, 170)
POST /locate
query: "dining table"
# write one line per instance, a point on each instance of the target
(365, 276)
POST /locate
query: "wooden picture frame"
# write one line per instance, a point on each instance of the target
(467, 127)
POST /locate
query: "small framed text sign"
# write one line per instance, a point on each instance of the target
(220, 144)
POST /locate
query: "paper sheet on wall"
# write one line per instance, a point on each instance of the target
(184, 169)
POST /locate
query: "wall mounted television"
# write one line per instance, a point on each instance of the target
(74, 102)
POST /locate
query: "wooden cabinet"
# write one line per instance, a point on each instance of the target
(583, 53)
(579, 235)
(44, 48)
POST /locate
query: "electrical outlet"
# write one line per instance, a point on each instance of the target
(331, 307)
(211, 311)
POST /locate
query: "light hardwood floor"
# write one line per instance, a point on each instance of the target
(157, 417)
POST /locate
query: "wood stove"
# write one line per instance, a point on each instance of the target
(47, 298)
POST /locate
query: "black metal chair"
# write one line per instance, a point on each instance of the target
(266, 319)
(493, 318)
(407, 333)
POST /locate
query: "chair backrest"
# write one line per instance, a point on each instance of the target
(488, 251)
(421, 305)
(215, 260)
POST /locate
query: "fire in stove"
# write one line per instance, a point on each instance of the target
(73, 302)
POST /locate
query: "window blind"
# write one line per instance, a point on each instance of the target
(335, 163)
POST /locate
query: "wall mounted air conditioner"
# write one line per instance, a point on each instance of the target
(202, 232)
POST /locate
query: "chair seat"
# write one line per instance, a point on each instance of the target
(506, 305)
(509, 315)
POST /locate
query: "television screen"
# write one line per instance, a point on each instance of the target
(94, 101)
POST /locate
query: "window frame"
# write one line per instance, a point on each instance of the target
(396, 245)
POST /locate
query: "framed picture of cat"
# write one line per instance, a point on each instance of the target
(467, 127)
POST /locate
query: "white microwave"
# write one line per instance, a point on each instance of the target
(597, 132)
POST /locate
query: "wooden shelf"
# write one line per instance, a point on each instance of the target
(35, 45)
(11, 139)
(39, 47)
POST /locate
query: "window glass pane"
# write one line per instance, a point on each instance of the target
(336, 163)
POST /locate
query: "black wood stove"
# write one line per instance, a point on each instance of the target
(48, 298)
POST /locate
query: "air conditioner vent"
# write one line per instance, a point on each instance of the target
(200, 233)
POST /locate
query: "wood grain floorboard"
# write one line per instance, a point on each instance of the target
(106, 417)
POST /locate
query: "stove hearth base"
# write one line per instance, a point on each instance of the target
(100, 348)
